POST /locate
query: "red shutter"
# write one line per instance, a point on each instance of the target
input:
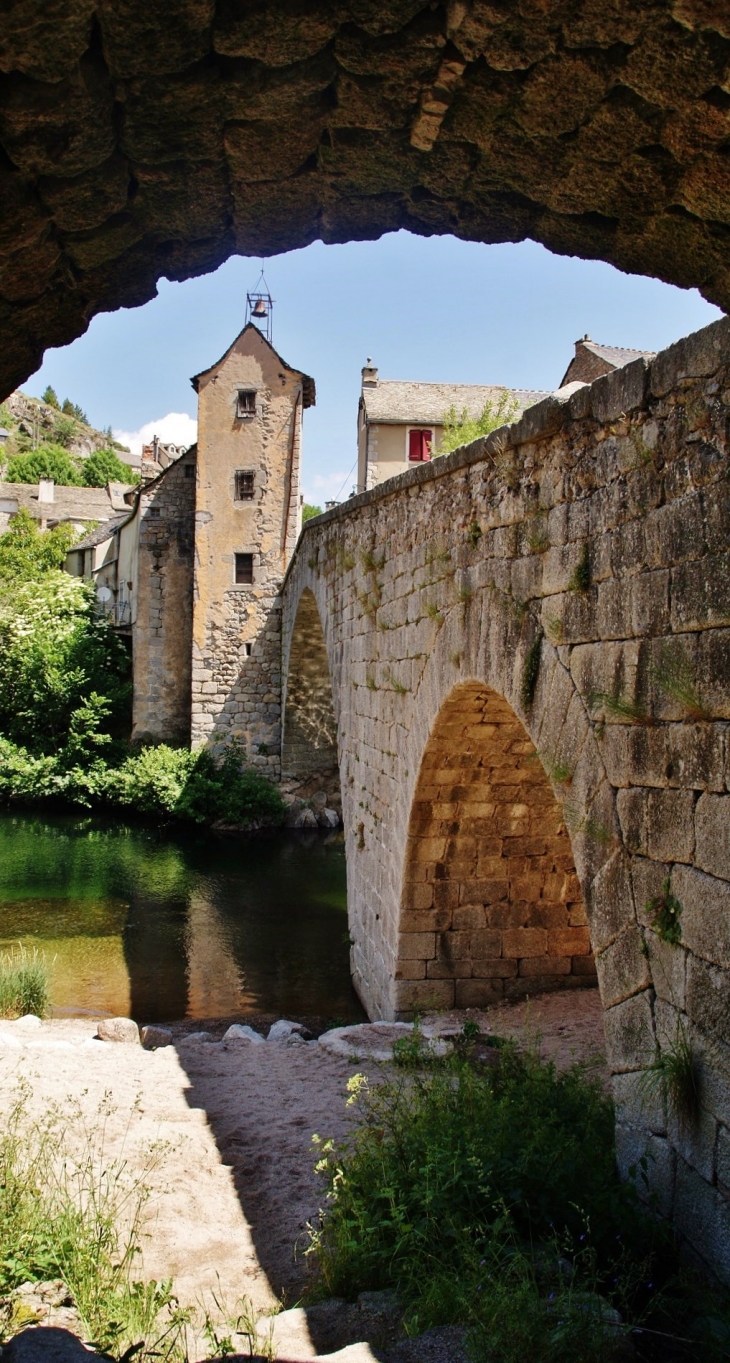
(419, 446)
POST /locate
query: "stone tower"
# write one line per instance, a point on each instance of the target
(247, 520)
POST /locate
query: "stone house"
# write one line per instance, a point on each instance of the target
(51, 504)
(400, 424)
(194, 568)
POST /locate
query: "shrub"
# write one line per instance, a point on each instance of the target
(309, 512)
(23, 983)
(460, 428)
(48, 461)
(105, 467)
(27, 553)
(192, 786)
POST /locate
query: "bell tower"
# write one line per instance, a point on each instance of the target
(247, 522)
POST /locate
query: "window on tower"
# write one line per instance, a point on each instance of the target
(244, 485)
(246, 402)
(244, 569)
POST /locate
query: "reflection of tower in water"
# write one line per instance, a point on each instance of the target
(216, 985)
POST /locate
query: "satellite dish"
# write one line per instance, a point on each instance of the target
(104, 594)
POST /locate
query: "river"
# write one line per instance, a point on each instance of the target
(162, 925)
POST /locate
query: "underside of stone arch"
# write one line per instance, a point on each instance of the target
(143, 140)
(492, 907)
(309, 746)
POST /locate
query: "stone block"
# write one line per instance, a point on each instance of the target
(619, 392)
(417, 996)
(723, 1158)
(629, 1030)
(650, 607)
(584, 966)
(712, 835)
(535, 966)
(700, 593)
(411, 970)
(705, 918)
(493, 968)
(694, 356)
(417, 945)
(610, 906)
(708, 996)
(670, 825)
(638, 1104)
(478, 993)
(569, 942)
(524, 942)
(622, 968)
(702, 1215)
(631, 807)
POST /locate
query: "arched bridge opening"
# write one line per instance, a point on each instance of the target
(491, 906)
(309, 742)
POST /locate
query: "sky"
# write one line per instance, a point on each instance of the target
(435, 309)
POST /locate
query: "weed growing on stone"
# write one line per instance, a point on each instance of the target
(674, 678)
(673, 1073)
(580, 579)
(433, 612)
(474, 534)
(665, 913)
(23, 983)
(456, 658)
(395, 685)
(531, 671)
(69, 1212)
(538, 540)
(620, 707)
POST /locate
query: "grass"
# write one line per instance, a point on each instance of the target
(69, 1211)
(674, 678)
(489, 1198)
(23, 983)
(665, 911)
(620, 707)
(673, 1073)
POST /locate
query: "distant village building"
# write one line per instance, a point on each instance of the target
(193, 571)
(53, 504)
(592, 360)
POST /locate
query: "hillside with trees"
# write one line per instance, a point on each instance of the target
(48, 438)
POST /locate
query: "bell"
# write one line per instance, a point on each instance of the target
(260, 308)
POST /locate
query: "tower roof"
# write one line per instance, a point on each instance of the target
(309, 392)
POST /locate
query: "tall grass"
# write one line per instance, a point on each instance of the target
(23, 983)
(69, 1211)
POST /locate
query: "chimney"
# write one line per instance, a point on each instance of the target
(369, 375)
(45, 490)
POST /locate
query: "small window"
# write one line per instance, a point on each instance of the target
(244, 485)
(153, 511)
(189, 470)
(419, 446)
(246, 402)
(244, 569)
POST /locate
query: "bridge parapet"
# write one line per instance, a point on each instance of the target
(572, 571)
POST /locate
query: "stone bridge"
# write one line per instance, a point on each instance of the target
(520, 657)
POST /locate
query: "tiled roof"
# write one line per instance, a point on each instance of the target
(103, 532)
(618, 355)
(392, 400)
(69, 503)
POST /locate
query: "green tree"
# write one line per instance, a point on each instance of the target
(50, 396)
(309, 511)
(105, 467)
(64, 430)
(48, 461)
(70, 408)
(26, 552)
(460, 428)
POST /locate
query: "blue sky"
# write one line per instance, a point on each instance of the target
(435, 309)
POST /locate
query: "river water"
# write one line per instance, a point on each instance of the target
(160, 926)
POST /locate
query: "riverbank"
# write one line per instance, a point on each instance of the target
(233, 1186)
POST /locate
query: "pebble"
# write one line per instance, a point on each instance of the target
(122, 1030)
(152, 1037)
(240, 1033)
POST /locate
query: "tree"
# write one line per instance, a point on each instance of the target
(64, 430)
(104, 467)
(460, 428)
(26, 552)
(70, 408)
(50, 396)
(48, 461)
(309, 511)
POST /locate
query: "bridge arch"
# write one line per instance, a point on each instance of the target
(491, 906)
(309, 728)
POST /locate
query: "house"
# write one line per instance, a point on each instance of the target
(53, 504)
(401, 423)
(194, 568)
(592, 360)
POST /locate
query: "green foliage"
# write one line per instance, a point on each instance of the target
(27, 553)
(67, 1211)
(309, 512)
(448, 1167)
(460, 428)
(105, 467)
(57, 658)
(64, 430)
(474, 534)
(531, 671)
(70, 408)
(673, 1073)
(192, 786)
(629, 711)
(674, 677)
(48, 461)
(23, 983)
(581, 577)
(50, 397)
(665, 912)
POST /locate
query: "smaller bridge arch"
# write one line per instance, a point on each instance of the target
(309, 736)
(491, 904)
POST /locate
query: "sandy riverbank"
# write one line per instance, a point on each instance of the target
(234, 1184)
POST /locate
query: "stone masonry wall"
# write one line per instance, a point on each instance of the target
(310, 732)
(576, 565)
(492, 906)
(162, 634)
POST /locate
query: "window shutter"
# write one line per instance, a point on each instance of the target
(419, 446)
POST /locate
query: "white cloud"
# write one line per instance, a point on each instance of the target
(177, 428)
(324, 487)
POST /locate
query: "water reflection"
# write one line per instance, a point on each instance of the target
(164, 926)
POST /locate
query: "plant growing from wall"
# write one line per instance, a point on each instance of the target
(674, 677)
(580, 579)
(618, 705)
(531, 670)
(673, 1073)
(460, 428)
(665, 913)
(474, 534)
(536, 534)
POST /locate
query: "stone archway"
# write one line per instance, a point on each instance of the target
(309, 736)
(491, 906)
